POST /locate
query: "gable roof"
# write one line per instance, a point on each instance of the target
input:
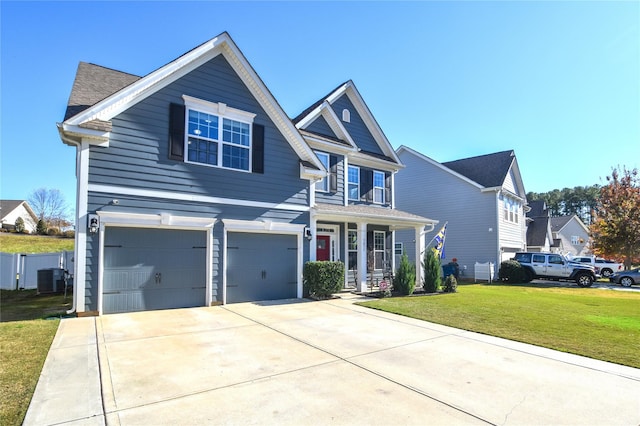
(8, 206)
(322, 107)
(92, 121)
(537, 232)
(559, 222)
(94, 83)
(488, 170)
(538, 209)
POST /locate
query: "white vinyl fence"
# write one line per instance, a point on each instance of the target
(20, 271)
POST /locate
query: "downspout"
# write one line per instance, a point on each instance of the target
(77, 144)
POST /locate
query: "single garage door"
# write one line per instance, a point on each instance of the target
(261, 267)
(150, 269)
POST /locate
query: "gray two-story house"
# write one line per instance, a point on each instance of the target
(481, 199)
(195, 188)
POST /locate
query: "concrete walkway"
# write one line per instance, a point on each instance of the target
(302, 362)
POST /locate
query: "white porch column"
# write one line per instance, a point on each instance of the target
(362, 257)
(313, 225)
(345, 239)
(419, 254)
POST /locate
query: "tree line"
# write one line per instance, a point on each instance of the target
(611, 211)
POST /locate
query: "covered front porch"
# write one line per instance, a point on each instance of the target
(363, 238)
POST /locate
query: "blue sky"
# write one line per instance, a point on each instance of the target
(558, 82)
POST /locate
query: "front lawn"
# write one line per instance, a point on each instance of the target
(21, 243)
(600, 324)
(25, 339)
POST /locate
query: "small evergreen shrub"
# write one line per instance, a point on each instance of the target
(41, 227)
(53, 231)
(405, 278)
(69, 234)
(450, 284)
(512, 271)
(322, 279)
(20, 225)
(432, 278)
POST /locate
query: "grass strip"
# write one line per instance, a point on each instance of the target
(600, 324)
(20, 243)
(23, 349)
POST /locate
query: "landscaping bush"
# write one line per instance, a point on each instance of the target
(450, 284)
(41, 227)
(19, 225)
(432, 278)
(69, 234)
(512, 271)
(53, 232)
(322, 279)
(405, 278)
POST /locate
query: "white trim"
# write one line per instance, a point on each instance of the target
(263, 227)
(349, 183)
(80, 255)
(218, 108)
(384, 250)
(326, 178)
(149, 193)
(383, 187)
(155, 221)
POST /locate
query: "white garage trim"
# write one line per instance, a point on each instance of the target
(163, 221)
(263, 227)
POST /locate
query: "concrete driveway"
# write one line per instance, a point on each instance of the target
(302, 362)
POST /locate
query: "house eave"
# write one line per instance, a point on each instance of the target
(375, 163)
(73, 135)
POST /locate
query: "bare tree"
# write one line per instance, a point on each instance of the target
(49, 205)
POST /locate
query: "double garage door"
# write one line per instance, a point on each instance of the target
(151, 269)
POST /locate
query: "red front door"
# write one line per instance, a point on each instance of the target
(323, 250)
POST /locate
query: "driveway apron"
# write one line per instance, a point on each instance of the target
(303, 362)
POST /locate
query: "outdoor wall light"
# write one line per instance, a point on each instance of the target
(93, 223)
(307, 234)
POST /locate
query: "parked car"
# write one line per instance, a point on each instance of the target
(603, 267)
(626, 278)
(553, 266)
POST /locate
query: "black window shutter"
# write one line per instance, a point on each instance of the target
(333, 173)
(387, 188)
(366, 185)
(176, 132)
(257, 146)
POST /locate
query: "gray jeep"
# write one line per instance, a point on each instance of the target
(553, 266)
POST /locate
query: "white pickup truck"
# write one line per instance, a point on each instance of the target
(603, 267)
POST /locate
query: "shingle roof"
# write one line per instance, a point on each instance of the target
(316, 104)
(538, 209)
(92, 84)
(559, 222)
(363, 210)
(487, 170)
(537, 232)
(7, 206)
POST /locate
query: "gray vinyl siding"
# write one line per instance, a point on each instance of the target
(356, 128)
(427, 190)
(137, 156)
(321, 126)
(573, 228)
(336, 197)
(141, 205)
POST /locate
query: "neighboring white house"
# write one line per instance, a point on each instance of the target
(482, 200)
(11, 210)
(571, 235)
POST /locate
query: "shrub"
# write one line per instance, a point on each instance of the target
(322, 279)
(512, 271)
(69, 234)
(53, 231)
(20, 225)
(432, 279)
(450, 284)
(41, 227)
(405, 278)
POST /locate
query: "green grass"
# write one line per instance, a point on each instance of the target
(600, 324)
(20, 243)
(25, 339)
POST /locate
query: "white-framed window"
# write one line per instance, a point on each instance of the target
(217, 135)
(353, 176)
(379, 242)
(346, 115)
(323, 185)
(352, 248)
(575, 240)
(399, 249)
(511, 210)
(378, 187)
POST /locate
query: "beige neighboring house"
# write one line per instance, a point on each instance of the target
(571, 235)
(11, 210)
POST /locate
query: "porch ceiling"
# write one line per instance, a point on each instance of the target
(395, 219)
